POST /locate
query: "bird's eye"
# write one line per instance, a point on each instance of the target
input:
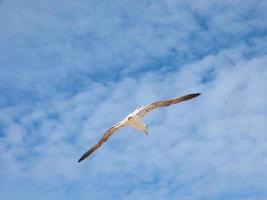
(130, 118)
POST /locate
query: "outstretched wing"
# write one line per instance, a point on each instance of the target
(104, 138)
(163, 103)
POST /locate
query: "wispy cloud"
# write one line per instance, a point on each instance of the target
(69, 70)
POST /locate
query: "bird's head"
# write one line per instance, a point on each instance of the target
(130, 118)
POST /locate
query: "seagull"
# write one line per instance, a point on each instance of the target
(134, 120)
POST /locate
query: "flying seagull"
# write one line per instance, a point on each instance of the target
(134, 120)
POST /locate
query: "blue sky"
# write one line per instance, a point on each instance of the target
(71, 69)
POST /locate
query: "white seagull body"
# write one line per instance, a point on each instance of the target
(134, 120)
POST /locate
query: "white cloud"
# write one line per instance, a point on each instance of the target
(212, 147)
(200, 149)
(48, 47)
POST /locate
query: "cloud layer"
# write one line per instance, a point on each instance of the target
(69, 70)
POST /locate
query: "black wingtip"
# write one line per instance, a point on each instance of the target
(81, 159)
(190, 96)
(187, 97)
(196, 94)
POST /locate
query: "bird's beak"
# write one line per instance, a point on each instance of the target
(146, 132)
